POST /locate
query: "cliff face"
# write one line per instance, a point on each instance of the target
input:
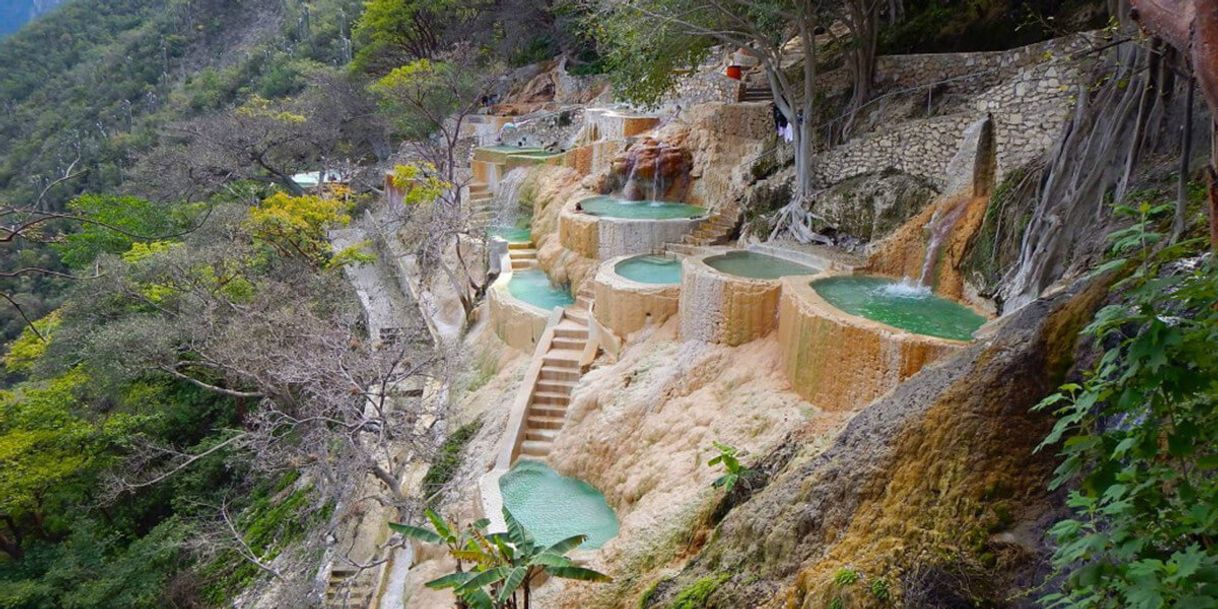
(932, 496)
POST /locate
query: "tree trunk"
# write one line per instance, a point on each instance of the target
(1186, 150)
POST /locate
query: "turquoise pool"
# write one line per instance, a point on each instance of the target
(614, 207)
(534, 287)
(900, 305)
(650, 269)
(752, 265)
(511, 234)
(554, 507)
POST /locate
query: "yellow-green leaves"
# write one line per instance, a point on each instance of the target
(419, 183)
(258, 107)
(295, 227)
(28, 348)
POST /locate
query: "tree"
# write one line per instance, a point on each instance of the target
(397, 32)
(134, 216)
(429, 101)
(296, 226)
(260, 140)
(641, 34)
(504, 564)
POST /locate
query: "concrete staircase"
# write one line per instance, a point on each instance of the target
(716, 230)
(350, 588)
(522, 255)
(560, 372)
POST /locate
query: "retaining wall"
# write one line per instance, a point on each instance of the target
(624, 306)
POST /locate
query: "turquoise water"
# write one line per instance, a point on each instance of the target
(511, 234)
(614, 207)
(756, 266)
(650, 269)
(900, 305)
(533, 286)
(554, 507)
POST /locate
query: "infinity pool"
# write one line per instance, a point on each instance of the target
(752, 265)
(650, 269)
(614, 207)
(534, 287)
(900, 305)
(554, 507)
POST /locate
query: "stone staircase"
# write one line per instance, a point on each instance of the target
(350, 588)
(716, 230)
(522, 255)
(560, 372)
(481, 212)
(754, 93)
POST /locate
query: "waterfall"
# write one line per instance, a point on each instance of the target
(505, 203)
(941, 226)
(656, 193)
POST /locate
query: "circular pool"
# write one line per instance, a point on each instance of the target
(900, 305)
(752, 265)
(614, 207)
(534, 287)
(554, 507)
(658, 270)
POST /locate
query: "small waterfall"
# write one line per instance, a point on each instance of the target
(656, 182)
(941, 226)
(505, 204)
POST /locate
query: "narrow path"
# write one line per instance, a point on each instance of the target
(560, 373)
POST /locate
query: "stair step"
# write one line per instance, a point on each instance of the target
(549, 361)
(548, 411)
(522, 264)
(566, 343)
(542, 422)
(521, 246)
(559, 374)
(541, 435)
(576, 315)
(554, 386)
(571, 333)
(534, 448)
(558, 399)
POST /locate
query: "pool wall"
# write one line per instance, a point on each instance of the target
(838, 361)
(602, 237)
(716, 307)
(516, 322)
(624, 306)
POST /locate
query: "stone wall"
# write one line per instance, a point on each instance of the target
(1028, 111)
(705, 84)
(551, 130)
(517, 323)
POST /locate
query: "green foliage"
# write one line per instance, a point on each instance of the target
(645, 57)
(420, 95)
(728, 457)
(397, 31)
(503, 564)
(446, 463)
(880, 590)
(846, 577)
(1139, 435)
(116, 223)
(295, 227)
(696, 594)
(25, 351)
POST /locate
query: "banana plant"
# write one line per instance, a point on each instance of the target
(504, 565)
(461, 543)
(729, 458)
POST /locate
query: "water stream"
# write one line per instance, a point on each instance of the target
(940, 226)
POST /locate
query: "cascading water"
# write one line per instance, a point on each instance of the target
(505, 204)
(656, 192)
(940, 226)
